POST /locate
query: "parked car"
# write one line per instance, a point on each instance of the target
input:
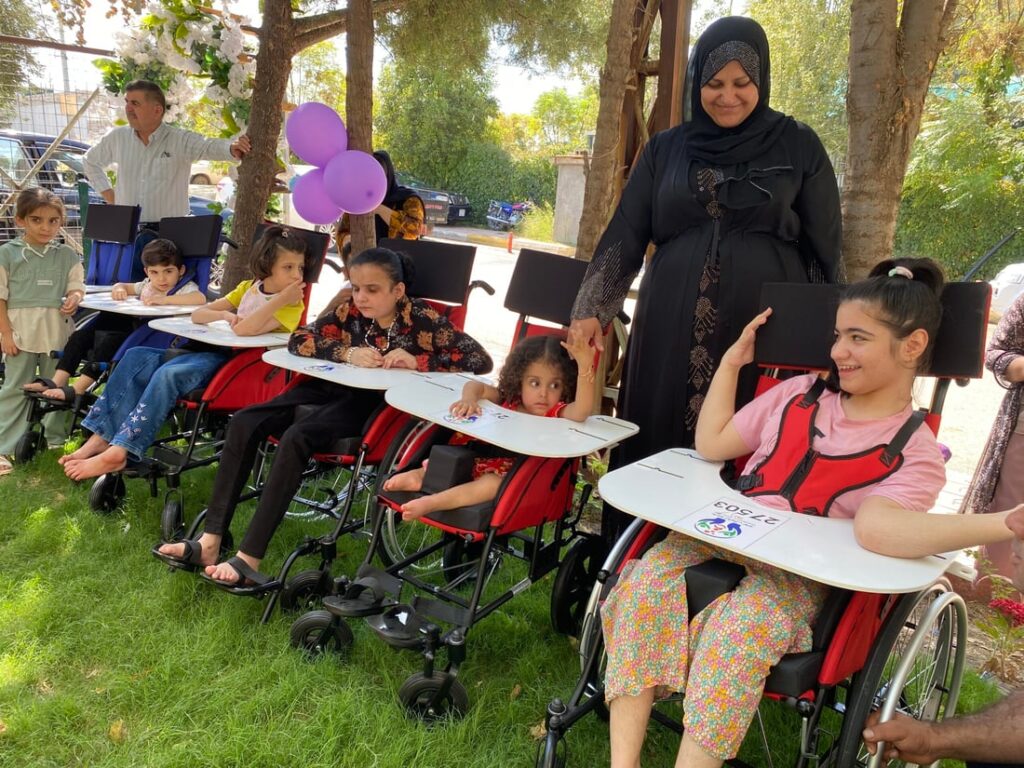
(206, 172)
(1006, 287)
(460, 209)
(435, 202)
(59, 174)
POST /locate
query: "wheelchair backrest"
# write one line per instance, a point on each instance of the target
(799, 333)
(198, 238)
(113, 230)
(318, 243)
(543, 287)
(443, 272)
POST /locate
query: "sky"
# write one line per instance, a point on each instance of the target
(515, 88)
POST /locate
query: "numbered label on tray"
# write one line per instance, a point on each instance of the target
(727, 520)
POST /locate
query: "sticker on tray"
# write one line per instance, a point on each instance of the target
(728, 520)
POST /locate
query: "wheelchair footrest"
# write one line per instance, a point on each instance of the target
(366, 596)
(707, 581)
(400, 627)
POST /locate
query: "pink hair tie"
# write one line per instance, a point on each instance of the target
(901, 272)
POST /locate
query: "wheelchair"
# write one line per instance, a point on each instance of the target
(891, 652)
(117, 243)
(336, 474)
(450, 559)
(200, 418)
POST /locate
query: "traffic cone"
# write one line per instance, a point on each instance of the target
(508, 244)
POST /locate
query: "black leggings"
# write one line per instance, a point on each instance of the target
(340, 412)
(103, 337)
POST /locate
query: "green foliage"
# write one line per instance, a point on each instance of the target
(539, 224)
(17, 60)
(809, 41)
(963, 189)
(439, 126)
(316, 76)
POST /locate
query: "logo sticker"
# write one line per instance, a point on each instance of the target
(718, 527)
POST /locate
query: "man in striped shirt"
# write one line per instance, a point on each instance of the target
(153, 160)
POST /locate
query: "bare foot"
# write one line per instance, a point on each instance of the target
(406, 481)
(113, 459)
(208, 541)
(54, 394)
(33, 387)
(94, 445)
(417, 508)
(226, 574)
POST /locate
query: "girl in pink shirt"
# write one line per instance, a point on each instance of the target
(850, 446)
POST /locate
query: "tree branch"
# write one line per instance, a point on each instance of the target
(311, 30)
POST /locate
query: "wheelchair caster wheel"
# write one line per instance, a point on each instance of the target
(417, 695)
(573, 583)
(29, 444)
(172, 521)
(318, 632)
(106, 493)
(304, 591)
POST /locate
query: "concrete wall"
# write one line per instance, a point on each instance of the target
(568, 198)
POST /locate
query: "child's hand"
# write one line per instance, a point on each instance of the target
(579, 349)
(399, 358)
(365, 357)
(292, 293)
(71, 302)
(119, 292)
(153, 299)
(464, 408)
(742, 351)
(230, 317)
(8, 345)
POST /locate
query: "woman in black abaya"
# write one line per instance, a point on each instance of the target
(737, 196)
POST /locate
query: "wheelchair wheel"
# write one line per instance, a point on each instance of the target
(304, 590)
(318, 632)
(106, 493)
(418, 691)
(29, 444)
(172, 521)
(915, 668)
(399, 540)
(574, 582)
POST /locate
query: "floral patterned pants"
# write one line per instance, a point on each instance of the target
(721, 659)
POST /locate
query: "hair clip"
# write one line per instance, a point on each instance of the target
(901, 272)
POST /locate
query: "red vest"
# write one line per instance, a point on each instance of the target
(811, 481)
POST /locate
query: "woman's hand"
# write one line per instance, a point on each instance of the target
(364, 357)
(742, 351)
(399, 358)
(8, 345)
(464, 408)
(588, 331)
(119, 292)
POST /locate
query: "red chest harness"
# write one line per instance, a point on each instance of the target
(811, 481)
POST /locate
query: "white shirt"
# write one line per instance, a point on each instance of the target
(153, 175)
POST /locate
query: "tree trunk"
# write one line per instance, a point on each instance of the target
(359, 102)
(892, 58)
(256, 173)
(607, 161)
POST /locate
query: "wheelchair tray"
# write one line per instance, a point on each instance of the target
(683, 492)
(518, 432)
(217, 333)
(342, 373)
(98, 288)
(130, 306)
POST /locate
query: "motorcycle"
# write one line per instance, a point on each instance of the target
(505, 216)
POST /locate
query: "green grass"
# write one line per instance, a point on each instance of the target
(109, 659)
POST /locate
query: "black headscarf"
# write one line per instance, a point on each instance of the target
(705, 139)
(396, 194)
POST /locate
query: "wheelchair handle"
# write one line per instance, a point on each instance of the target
(482, 284)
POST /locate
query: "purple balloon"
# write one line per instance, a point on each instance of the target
(316, 133)
(355, 181)
(311, 200)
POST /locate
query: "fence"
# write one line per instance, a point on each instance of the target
(51, 109)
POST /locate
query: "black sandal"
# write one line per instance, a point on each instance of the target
(47, 383)
(67, 390)
(247, 577)
(191, 560)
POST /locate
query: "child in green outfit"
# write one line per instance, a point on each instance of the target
(41, 285)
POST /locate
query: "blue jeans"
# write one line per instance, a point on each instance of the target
(141, 393)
